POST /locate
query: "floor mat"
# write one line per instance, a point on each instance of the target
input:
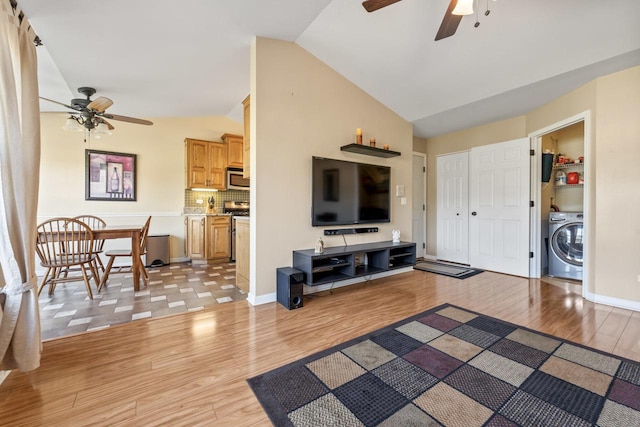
(444, 269)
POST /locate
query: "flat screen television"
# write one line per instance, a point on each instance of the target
(346, 193)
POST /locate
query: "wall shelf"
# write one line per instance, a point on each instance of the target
(368, 150)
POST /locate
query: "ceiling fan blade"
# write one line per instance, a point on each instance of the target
(449, 23)
(126, 119)
(109, 125)
(101, 103)
(373, 5)
(60, 103)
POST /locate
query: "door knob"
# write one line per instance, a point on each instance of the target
(474, 213)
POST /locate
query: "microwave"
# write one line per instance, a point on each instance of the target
(235, 180)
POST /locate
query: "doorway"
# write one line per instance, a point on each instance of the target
(550, 196)
(419, 210)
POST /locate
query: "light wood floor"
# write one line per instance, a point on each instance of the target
(190, 369)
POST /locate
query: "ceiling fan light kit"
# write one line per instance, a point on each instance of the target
(463, 7)
(71, 124)
(89, 115)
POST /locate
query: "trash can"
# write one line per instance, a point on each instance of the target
(157, 250)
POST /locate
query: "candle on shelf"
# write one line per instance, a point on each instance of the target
(359, 135)
(385, 146)
(372, 142)
(359, 131)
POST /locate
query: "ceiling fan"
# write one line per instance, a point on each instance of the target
(91, 113)
(449, 23)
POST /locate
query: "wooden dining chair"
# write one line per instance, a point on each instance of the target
(98, 245)
(61, 244)
(113, 254)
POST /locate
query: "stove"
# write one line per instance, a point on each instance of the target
(236, 208)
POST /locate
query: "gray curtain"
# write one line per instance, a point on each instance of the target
(20, 340)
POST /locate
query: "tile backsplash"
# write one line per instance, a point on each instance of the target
(192, 206)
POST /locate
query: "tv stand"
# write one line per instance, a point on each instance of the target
(348, 262)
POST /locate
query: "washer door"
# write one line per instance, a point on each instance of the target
(567, 243)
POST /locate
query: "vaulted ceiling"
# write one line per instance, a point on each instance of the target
(160, 58)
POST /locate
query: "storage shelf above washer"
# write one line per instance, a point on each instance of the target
(567, 165)
(569, 186)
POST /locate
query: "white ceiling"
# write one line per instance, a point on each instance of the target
(159, 58)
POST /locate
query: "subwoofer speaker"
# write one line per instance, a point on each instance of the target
(290, 291)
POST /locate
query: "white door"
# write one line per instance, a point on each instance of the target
(419, 195)
(453, 207)
(499, 206)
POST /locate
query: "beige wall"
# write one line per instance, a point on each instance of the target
(303, 108)
(160, 171)
(419, 145)
(617, 185)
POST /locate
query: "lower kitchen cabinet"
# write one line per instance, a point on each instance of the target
(242, 255)
(208, 238)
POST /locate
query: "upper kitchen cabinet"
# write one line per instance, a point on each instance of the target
(235, 150)
(246, 159)
(206, 163)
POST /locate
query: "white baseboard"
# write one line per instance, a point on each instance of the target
(341, 283)
(615, 302)
(431, 257)
(263, 299)
(4, 375)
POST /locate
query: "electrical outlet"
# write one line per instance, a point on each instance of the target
(638, 277)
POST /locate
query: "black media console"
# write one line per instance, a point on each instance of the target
(347, 262)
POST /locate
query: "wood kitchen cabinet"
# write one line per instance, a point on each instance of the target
(206, 163)
(246, 158)
(242, 254)
(195, 225)
(208, 238)
(235, 150)
(218, 237)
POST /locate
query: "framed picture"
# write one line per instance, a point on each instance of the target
(110, 176)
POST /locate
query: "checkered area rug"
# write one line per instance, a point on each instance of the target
(453, 367)
(174, 288)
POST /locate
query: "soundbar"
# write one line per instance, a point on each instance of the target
(338, 231)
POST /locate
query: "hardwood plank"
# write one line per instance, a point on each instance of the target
(630, 336)
(174, 416)
(191, 369)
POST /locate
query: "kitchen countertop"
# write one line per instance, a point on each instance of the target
(241, 218)
(201, 211)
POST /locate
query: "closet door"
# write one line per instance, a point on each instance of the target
(499, 206)
(453, 207)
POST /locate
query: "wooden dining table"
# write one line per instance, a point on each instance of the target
(133, 232)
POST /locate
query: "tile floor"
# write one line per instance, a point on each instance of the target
(174, 288)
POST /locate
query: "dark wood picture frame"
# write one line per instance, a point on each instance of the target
(110, 176)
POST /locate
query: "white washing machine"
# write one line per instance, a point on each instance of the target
(566, 238)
